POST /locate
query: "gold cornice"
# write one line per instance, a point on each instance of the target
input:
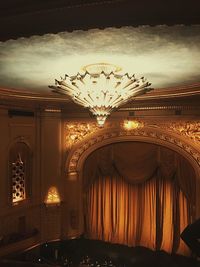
(172, 92)
(161, 93)
(10, 94)
(166, 107)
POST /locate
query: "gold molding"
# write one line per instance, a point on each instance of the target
(77, 131)
(52, 110)
(161, 93)
(169, 107)
(150, 130)
(187, 129)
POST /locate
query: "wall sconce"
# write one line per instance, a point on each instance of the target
(52, 198)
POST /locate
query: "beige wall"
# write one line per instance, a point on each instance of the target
(14, 129)
(50, 172)
(43, 135)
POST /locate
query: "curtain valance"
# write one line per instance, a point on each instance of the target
(137, 162)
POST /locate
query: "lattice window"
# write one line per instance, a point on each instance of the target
(20, 172)
(18, 180)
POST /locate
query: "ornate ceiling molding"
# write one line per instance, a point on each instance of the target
(178, 91)
(166, 107)
(59, 15)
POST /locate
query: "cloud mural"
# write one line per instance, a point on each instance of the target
(166, 56)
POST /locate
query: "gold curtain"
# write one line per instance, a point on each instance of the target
(139, 194)
(137, 215)
(128, 157)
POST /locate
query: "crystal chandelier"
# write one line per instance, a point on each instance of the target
(101, 88)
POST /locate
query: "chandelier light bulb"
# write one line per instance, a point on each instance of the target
(101, 88)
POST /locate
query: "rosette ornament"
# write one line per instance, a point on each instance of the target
(101, 88)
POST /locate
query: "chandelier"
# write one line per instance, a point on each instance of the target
(101, 88)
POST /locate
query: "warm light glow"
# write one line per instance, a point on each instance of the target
(125, 213)
(132, 124)
(52, 196)
(101, 89)
(18, 180)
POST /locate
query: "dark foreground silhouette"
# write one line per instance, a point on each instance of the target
(92, 253)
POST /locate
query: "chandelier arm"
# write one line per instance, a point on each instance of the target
(101, 89)
(125, 82)
(81, 102)
(59, 90)
(66, 86)
(115, 101)
(78, 83)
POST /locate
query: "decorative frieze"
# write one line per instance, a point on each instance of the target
(149, 133)
(77, 131)
(187, 129)
(153, 129)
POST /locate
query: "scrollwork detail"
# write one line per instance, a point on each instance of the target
(145, 133)
(188, 129)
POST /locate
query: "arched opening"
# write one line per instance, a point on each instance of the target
(138, 193)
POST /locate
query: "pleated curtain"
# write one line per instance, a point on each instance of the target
(138, 194)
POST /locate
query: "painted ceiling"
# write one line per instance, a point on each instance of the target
(168, 56)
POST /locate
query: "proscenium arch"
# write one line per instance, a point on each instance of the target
(179, 144)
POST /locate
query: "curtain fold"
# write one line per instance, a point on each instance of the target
(124, 157)
(186, 178)
(149, 212)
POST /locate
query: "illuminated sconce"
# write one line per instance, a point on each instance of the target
(53, 197)
(132, 124)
